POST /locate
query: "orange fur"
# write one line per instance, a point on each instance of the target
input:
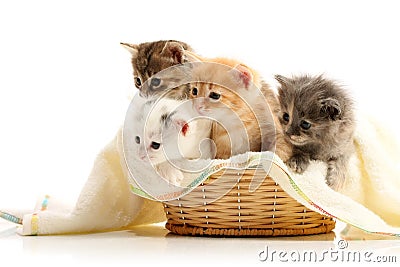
(256, 130)
(244, 111)
(212, 78)
(228, 62)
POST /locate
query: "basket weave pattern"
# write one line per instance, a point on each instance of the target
(224, 206)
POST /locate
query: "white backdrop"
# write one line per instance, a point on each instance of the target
(65, 80)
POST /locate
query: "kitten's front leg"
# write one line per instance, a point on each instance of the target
(298, 162)
(335, 175)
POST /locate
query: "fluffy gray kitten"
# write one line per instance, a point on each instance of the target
(317, 119)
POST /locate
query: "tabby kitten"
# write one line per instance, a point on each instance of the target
(317, 119)
(152, 57)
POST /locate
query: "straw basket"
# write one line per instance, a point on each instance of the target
(224, 206)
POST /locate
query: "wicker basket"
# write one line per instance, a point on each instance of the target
(267, 211)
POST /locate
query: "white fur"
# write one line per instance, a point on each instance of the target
(175, 145)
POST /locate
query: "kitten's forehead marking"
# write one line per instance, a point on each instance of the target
(163, 118)
(144, 110)
(207, 87)
(153, 134)
(166, 118)
(291, 108)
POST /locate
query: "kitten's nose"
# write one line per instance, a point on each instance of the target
(201, 111)
(199, 107)
(292, 133)
(289, 133)
(143, 157)
(143, 94)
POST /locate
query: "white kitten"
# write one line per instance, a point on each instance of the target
(165, 132)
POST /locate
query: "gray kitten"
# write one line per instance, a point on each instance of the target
(317, 119)
(151, 58)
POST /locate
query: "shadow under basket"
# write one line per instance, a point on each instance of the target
(224, 206)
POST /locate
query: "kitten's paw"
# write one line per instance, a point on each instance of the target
(332, 183)
(335, 175)
(172, 181)
(179, 178)
(334, 180)
(298, 163)
(169, 173)
(175, 178)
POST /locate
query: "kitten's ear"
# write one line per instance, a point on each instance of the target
(175, 120)
(181, 125)
(243, 74)
(331, 108)
(175, 51)
(282, 79)
(132, 48)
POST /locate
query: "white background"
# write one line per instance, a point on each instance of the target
(65, 80)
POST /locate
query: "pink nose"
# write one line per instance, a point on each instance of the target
(200, 108)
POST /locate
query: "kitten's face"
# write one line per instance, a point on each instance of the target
(148, 131)
(308, 109)
(148, 143)
(208, 97)
(298, 126)
(157, 127)
(219, 89)
(152, 57)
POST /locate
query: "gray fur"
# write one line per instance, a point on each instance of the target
(329, 109)
(163, 118)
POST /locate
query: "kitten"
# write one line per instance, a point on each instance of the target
(163, 133)
(227, 95)
(317, 119)
(272, 141)
(152, 57)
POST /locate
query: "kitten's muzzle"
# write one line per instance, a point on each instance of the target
(143, 94)
(199, 106)
(296, 139)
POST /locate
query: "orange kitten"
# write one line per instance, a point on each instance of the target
(282, 147)
(255, 104)
(241, 113)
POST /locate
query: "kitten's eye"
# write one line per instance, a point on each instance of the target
(138, 82)
(194, 91)
(155, 145)
(155, 82)
(305, 125)
(137, 140)
(286, 117)
(214, 95)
